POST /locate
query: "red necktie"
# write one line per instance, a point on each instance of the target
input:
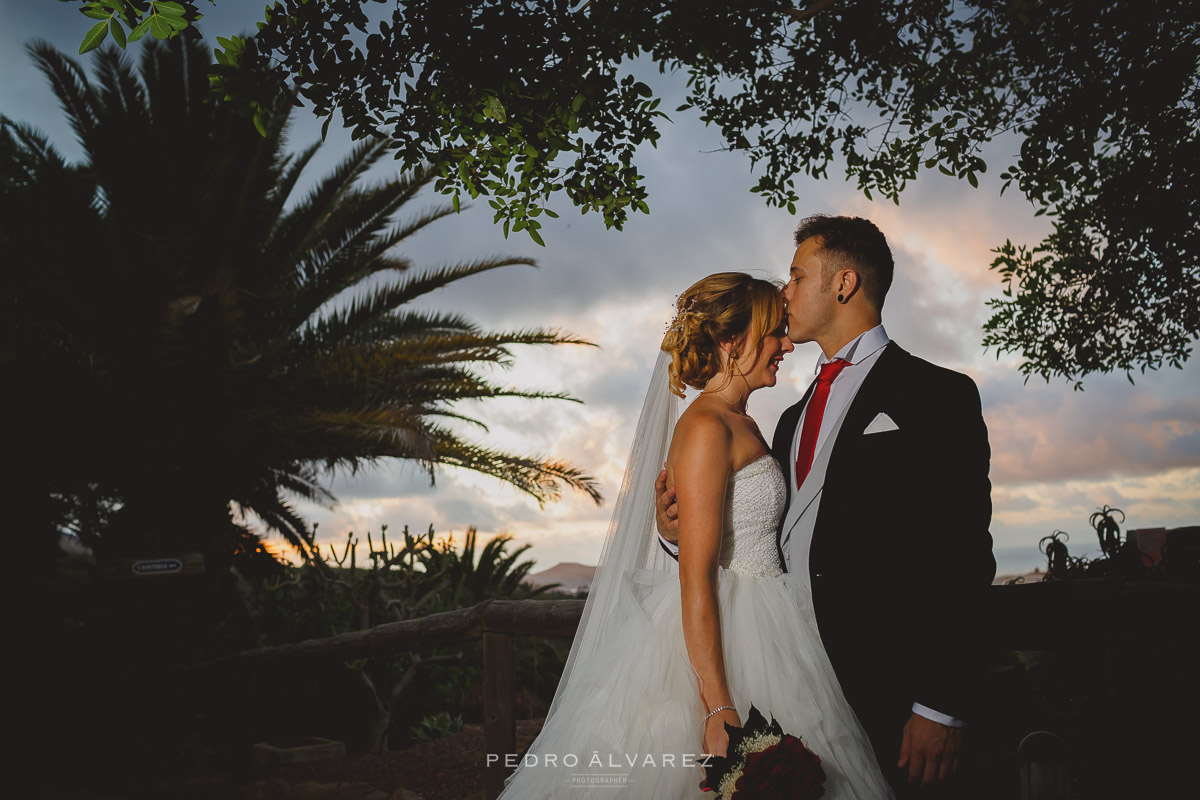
(813, 415)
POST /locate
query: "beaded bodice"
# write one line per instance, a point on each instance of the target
(754, 505)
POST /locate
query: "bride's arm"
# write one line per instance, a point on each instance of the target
(701, 464)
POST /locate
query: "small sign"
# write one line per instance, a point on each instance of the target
(157, 566)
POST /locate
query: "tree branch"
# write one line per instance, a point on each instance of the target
(816, 8)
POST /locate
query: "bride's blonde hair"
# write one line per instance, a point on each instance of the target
(725, 307)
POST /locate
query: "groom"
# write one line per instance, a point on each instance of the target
(888, 508)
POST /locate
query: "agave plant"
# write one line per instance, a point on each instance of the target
(178, 341)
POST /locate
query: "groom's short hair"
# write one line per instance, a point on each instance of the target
(852, 243)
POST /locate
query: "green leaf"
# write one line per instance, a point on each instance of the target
(259, 122)
(494, 109)
(168, 8)
(537, 237)
(971, 179)
(140, 30)
(160, 28)
(95, 13)
(118, 33)
(94, 37)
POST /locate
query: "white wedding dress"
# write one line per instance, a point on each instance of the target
(629, 725)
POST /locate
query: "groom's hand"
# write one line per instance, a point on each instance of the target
(666, 514)
(929, 749)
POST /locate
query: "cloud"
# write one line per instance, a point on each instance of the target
(1041, 433)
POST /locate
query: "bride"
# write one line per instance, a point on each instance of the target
(665, 653)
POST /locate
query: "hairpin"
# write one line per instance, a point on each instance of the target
(676, 324)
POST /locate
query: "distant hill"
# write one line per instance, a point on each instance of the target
(573, 577)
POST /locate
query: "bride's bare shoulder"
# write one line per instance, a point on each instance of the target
(701, 432)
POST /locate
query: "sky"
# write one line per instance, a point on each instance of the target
(1057, 454)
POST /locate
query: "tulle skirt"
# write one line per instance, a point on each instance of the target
(629, 724)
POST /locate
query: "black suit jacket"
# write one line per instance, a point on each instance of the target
(901, 554)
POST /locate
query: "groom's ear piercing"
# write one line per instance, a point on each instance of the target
(841, 298)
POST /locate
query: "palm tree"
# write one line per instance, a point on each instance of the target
(177, 340)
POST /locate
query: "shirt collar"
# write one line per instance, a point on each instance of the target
(865, 344)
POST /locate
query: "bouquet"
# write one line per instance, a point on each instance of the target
(764, 763)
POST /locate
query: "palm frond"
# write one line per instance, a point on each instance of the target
(491, 348)
(351, 251)
(402, 231)
(330, 331)
(282, 518)
(379, 431)
(538, 477)
(409, 324)
(28, 147)
(70, 85)
(302, 484)
(290, 168)
(121, 93)
(290, 236)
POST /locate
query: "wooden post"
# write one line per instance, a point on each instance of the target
(499, 709)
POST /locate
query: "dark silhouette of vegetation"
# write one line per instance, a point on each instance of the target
(341, 592)
(522, 101)
(1122, 557)
(170, 316)
(495, 573)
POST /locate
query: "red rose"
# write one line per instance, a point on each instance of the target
(785, 771)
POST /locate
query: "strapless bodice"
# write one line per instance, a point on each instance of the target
(754, 504)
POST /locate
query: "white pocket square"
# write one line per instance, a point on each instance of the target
(881, 423)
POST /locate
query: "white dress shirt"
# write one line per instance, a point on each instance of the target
(862, 353)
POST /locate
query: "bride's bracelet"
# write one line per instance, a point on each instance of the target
(718, 708)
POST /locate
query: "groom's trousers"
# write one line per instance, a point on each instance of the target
(867, 650)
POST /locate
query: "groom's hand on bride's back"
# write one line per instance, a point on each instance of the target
(666, 514)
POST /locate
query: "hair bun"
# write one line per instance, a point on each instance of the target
(725, 307)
